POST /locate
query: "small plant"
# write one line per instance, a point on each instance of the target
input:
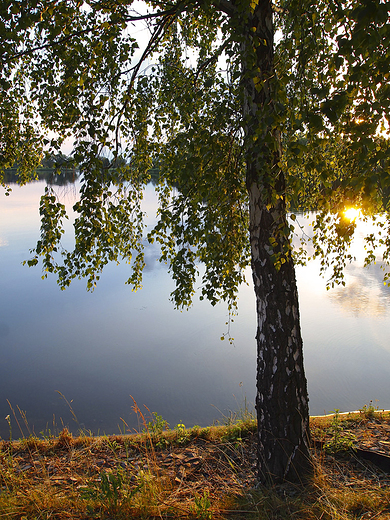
(233, 433)
(47, 435)
(8, 419)
(340, 441)
(111, 491)
(201, 508)
(113, 445)
(204, 433)
(155, 429)
(181, 433)
(10, 450)
(157, 425)
(369, 410)
(111, 485)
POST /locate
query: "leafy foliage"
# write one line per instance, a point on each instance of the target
(75, 70)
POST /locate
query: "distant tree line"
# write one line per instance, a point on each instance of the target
(60, 169)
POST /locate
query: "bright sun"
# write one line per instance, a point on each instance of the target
(352, 214)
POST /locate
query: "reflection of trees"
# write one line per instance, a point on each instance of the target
(67, 191)
(55, 169)
(59, 170)
(58, 177)
(364, 292)
(62, 177)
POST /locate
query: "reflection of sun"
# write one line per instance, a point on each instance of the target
(351, 214)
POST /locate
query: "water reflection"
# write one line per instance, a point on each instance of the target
(365, 292)
(63, 177)
(98, 349)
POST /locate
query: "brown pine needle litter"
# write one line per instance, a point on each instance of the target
(203, 473)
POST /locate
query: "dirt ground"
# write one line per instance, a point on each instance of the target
(219, 467)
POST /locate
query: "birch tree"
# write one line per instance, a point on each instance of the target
(250, 110)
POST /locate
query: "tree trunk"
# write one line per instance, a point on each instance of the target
(281, 401)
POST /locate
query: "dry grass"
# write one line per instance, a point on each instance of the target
(204, 473)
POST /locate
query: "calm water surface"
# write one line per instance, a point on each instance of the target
(97, 349)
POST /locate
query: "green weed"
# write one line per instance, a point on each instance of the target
(202, 505)
(340, 440)
(157, 425)
(368, 411)
(112, 491)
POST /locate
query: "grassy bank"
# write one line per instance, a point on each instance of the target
(201, 473)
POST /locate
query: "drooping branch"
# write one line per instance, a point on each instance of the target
(153, 42)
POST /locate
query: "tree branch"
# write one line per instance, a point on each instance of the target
(158, 14)
(48, 45)
(212, 59)
(159, 30)
(226, 6)
(149, 16)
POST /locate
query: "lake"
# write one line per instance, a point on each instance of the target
(68, 355)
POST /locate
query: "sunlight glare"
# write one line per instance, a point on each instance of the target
(352, 214)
